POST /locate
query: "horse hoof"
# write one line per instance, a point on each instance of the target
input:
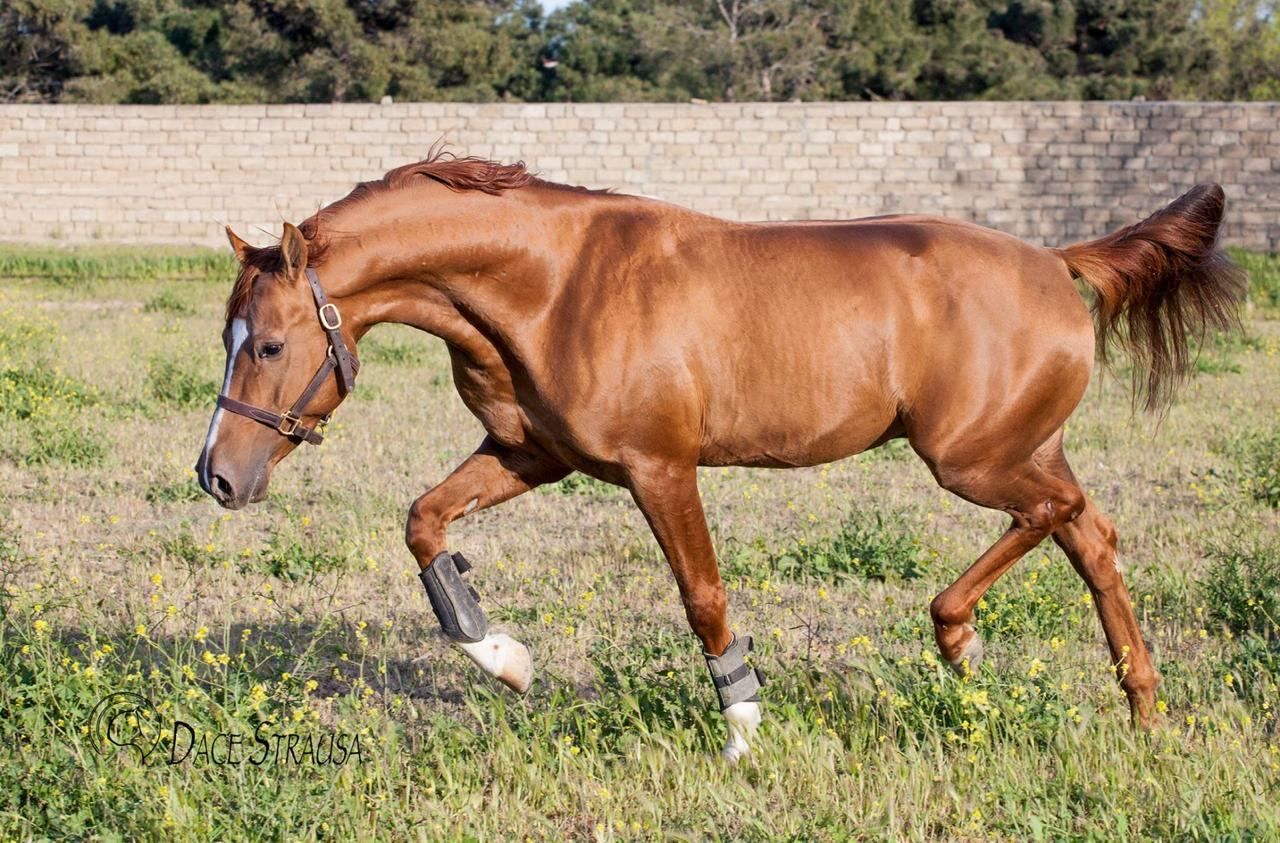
(504, 658)
(970, 655)
(743, 719)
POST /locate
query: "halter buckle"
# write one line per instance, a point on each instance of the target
(330, 323)
(289, 424)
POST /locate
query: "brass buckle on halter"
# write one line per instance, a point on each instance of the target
(289, 424)
(330, 324)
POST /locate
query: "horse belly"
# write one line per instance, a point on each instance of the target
(793, 416)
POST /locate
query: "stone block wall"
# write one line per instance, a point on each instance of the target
(1051, 172)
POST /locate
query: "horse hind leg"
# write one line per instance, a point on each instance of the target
(1090, 543)
(1039, 504)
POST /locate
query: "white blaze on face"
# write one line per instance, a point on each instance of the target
(239, 333)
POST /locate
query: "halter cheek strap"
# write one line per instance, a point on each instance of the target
(339, 361)
(331, 321)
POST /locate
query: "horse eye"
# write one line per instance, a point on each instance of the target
(270, 349)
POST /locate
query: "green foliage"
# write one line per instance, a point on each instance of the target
(1242, 589)
(186, 491)
(14, 564)
(28, 392)
(1244, 37)
(187, 51)
(177, 382)
(868, 545)
(866, 735)
(1264, 277)
(288, 557)
(891, 451)
(393, 353)
(295, 560)
(1254, 667)
(23, 340)
(583, 484)
(190, 51)
(44, 402)
(916, 701)
(1044, 599)
(656, 686)
(1217, 354)
(168, 301)
(82, 266)
(1257, 457)
(227, 682)
(183, 546)
(70, 444)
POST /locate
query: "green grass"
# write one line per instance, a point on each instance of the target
(1220, 352)
(56, 442)
(33, 391)
(393, 352)
(1242, 589)
(297, 559)
(583, 484)
(304, 615)
(183, 491)
(178, 382)
(80, 266)
(1264, 278)
(1256, 454)
(168, 301)
(869, 545)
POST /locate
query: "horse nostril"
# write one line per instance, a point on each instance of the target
(221, 488)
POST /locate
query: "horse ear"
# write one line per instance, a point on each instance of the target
(238, 245)
(293, 250)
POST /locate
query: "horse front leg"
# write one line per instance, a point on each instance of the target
(493, 474)
(668, 497)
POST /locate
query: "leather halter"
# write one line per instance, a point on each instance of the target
(339, 361)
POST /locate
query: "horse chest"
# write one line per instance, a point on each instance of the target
(490, 396)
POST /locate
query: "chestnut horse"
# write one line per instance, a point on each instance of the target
(634, 340)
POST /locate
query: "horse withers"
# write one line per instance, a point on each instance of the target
(634, 341)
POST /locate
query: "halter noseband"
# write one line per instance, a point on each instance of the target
(339, 361)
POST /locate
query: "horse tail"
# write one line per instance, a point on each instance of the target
(1157, 285)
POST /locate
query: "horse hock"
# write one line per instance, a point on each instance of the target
(738, 687)
(463, 621)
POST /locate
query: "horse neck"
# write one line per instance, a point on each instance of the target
(449, 263)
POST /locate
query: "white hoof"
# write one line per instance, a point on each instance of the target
(743, 718)
(502, 657)
(970, 656)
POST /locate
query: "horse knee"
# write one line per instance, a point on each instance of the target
(424, 531)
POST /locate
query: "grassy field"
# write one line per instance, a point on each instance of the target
(303, 616)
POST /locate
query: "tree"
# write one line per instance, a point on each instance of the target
(620, 50)
(150, 51)
(1244, 37)
(36, 38)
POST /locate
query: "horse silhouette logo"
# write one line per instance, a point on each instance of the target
(125, 719)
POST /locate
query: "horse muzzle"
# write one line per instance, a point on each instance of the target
(232, 489)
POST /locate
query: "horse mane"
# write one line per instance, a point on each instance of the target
(456, 173)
